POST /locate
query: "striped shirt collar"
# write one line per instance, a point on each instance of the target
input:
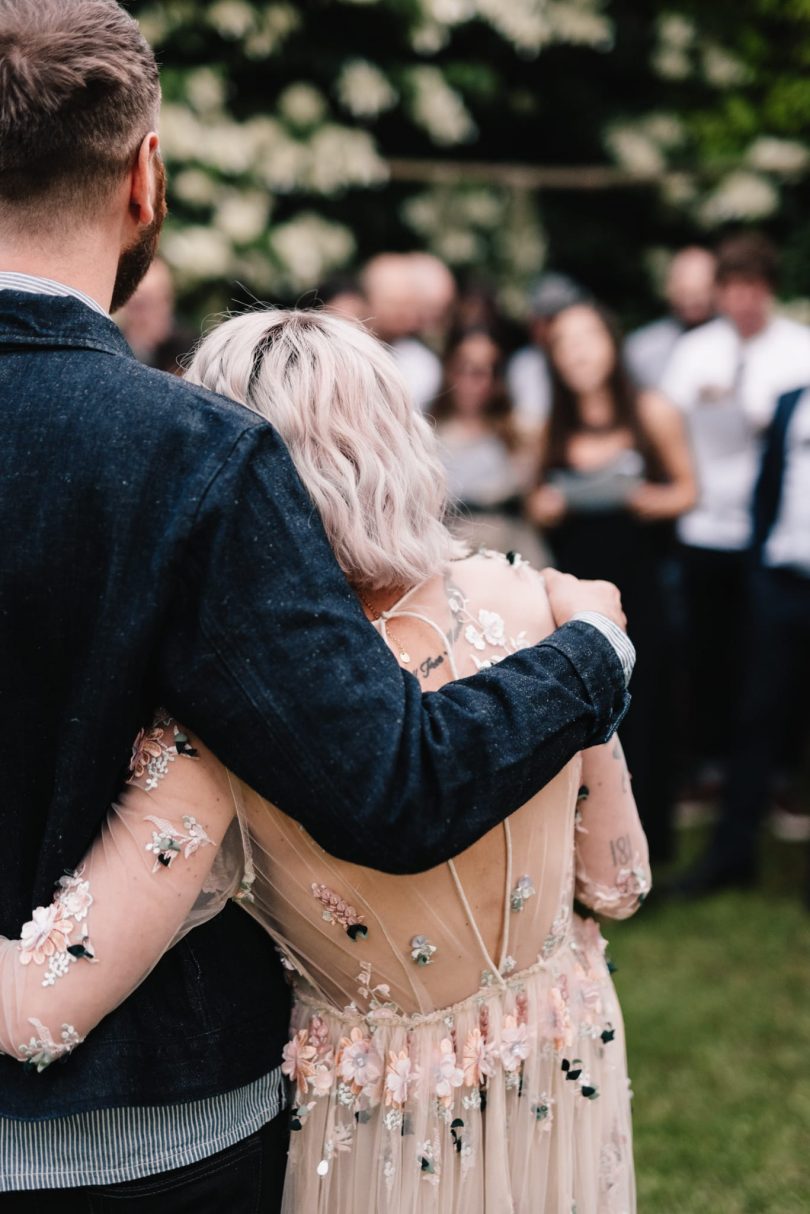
(34, 285)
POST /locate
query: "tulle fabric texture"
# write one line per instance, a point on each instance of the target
(123, 908)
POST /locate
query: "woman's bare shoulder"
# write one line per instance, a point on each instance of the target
(508, 585)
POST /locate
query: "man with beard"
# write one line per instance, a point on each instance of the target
(158, 548)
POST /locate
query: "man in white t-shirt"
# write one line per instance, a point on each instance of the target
(727, 376)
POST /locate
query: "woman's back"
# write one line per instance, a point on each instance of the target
(457, 1045)
(339, 917)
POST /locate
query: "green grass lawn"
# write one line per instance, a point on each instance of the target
(716, 999)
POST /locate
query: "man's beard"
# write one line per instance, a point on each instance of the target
(136, 260)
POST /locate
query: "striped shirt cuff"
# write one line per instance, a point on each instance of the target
(624, 648)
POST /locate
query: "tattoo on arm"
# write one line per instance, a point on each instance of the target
(621, 851)
(618, 754)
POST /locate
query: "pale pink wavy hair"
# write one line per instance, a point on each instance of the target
(368, 459)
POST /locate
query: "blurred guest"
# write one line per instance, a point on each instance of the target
(689, 291)
(726, 376)
(527, 374)
(435, 290)
(395, 314)
(490, 457)
(344, 297)
(777, 666)
(616, 471)
(149, 324)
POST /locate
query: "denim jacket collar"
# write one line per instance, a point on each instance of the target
(52, 321)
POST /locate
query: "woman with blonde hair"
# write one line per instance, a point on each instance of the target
(456, 1041)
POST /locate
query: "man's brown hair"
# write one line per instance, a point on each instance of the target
(78, 92)
(748, 255)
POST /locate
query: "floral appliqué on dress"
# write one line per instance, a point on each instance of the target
(151, 754)
(47, 937)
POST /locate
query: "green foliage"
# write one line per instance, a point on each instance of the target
(715, 1000)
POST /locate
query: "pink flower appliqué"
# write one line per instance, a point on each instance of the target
(514, 1044)
(299, 1060)
(147, 746)
(558, 1024)
(446, 1075)
(400, 1076)
(478, 1059)
(45, 934)
(359, 1064)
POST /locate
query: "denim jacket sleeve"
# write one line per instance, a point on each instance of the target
(269, 658)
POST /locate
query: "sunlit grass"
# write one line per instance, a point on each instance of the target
(716, 998)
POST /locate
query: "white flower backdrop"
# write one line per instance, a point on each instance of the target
(282, 124)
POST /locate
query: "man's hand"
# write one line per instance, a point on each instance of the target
(568, 596)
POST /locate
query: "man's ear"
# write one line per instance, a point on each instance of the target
(142, 181)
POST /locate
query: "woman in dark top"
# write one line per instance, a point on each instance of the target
(616, 471)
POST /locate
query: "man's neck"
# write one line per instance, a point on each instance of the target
(86, 266)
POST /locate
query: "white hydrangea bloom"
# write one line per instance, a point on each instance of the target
(438, 108)
(228, 146)
(459, 246)
(181, 134)
(194, 186)
(581, 24)
(205, 90)
(363, 89)
(671, 63)
(276, 24)
(340, 157)
(742, 195)
(525, 23)
(232, 18)
(482, 208)
(197, 252)
(786, 157)
(284, 166)
(428, 37)
(422, 212)
(676, 31)
(635, 150)
(302, 104)
(666, 129)
(243, 214)
(721, 68)
(309, 247)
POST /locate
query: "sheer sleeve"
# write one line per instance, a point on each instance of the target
(612, 863)
(167, 858)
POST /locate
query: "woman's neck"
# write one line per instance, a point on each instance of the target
(596, 411)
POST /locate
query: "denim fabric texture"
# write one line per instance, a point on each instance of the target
(159, 549)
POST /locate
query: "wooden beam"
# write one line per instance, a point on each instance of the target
(518, 176)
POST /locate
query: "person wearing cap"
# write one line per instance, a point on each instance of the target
(527, 374)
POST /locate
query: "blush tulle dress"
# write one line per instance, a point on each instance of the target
(456, 1045)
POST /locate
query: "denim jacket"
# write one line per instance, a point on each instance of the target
(159, 549)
